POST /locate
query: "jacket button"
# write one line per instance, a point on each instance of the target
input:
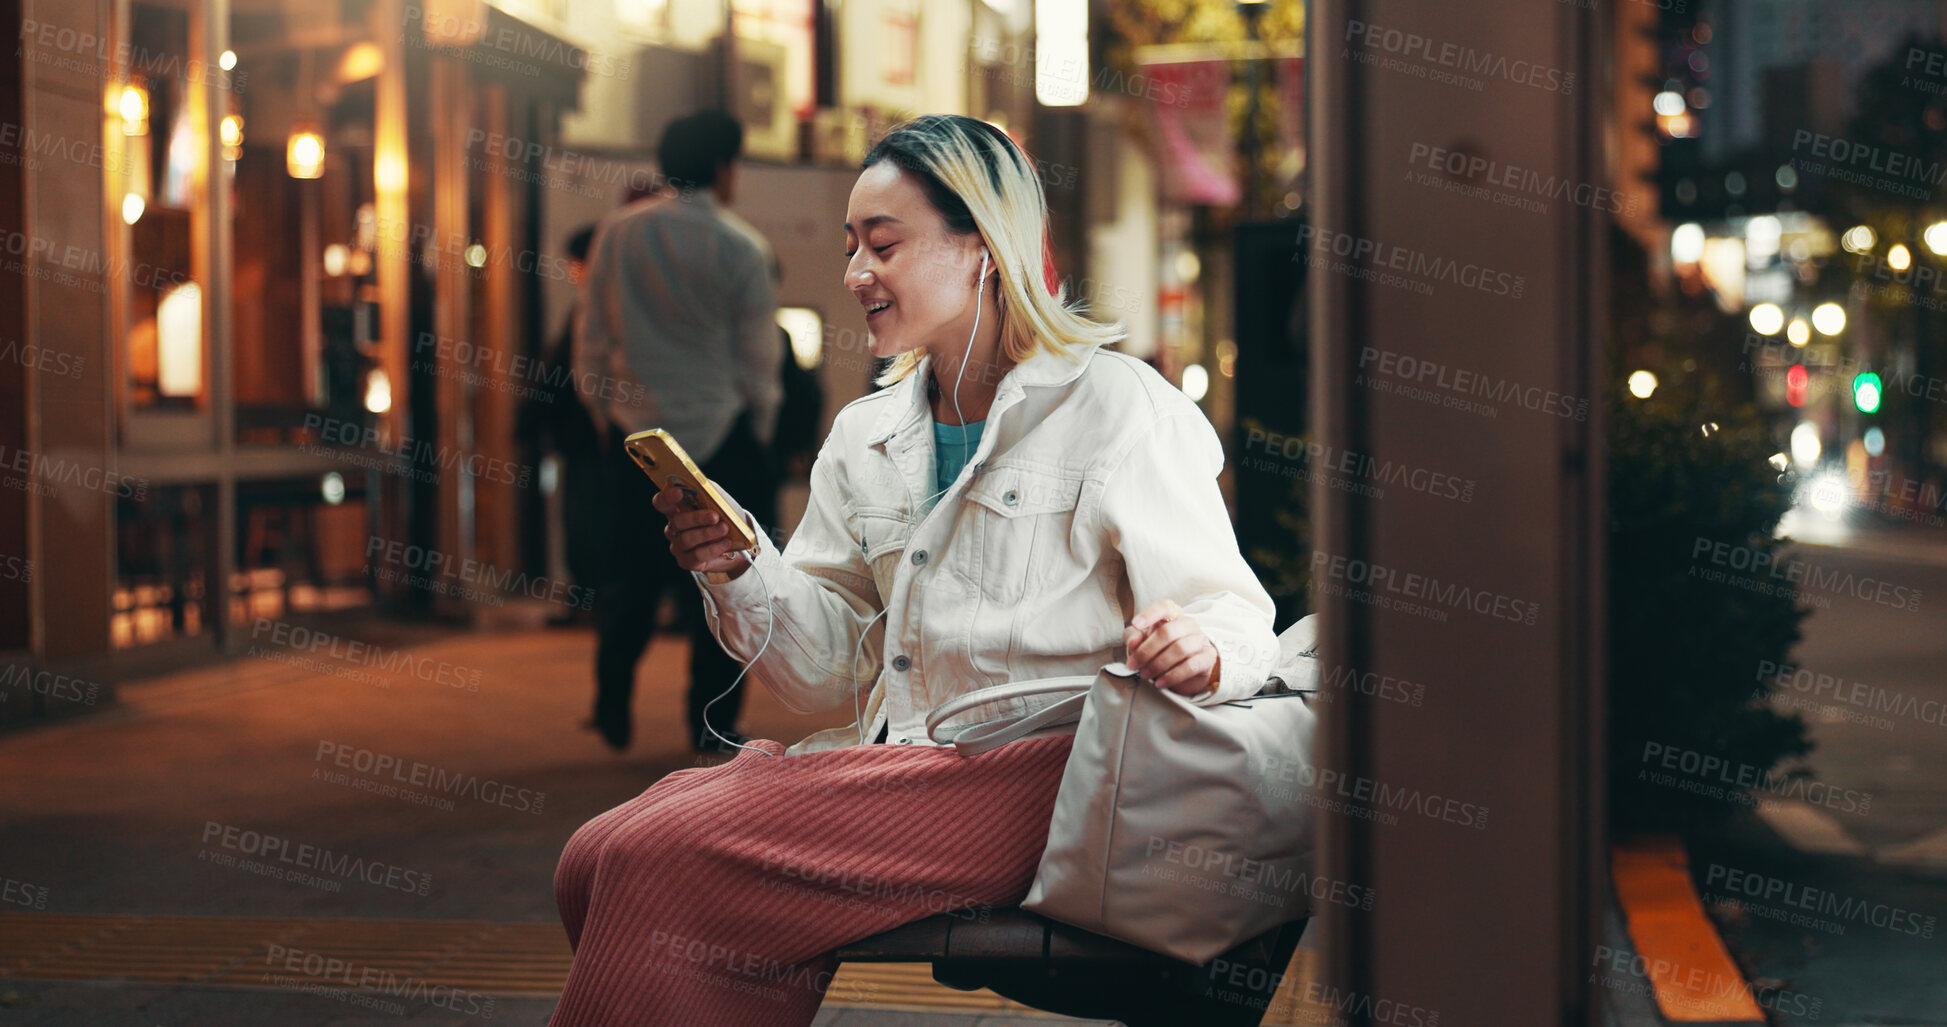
(905, 741)
(919, 557)
(1012, 498)
(900, 662)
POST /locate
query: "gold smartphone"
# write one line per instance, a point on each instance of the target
(659, 456)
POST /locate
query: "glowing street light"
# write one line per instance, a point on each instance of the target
(1642, 384)
(1766, 319)
(1686, 243)
(304, 155)
(1936, 237)
(1805, 444)
(1829, 318)
(133, 106)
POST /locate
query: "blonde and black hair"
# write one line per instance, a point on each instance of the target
(979, 181)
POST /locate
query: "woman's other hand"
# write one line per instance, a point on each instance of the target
(1169, 649)
(699, 539)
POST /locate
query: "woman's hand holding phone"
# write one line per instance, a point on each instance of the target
(699, 539)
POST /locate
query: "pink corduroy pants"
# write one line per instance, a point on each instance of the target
(717, 896)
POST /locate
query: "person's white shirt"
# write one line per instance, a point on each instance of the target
(679, 309)
(1092, 494)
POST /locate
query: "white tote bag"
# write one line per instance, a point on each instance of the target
(1179, 828)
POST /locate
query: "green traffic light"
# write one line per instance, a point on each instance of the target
(1865, 392)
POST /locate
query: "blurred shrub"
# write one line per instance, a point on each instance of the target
(1684, 650)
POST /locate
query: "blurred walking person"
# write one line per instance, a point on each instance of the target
(680, 311)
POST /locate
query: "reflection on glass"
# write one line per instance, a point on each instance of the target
(179, 341)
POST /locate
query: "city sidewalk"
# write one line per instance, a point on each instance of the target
(127, 833)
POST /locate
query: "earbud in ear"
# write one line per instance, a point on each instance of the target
(983, 269)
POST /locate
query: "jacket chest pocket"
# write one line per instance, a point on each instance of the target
(881, 534)
(1022, 520)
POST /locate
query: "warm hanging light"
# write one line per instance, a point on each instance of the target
(378, 391)
(304, 155)
(133, 106)
(231, 132)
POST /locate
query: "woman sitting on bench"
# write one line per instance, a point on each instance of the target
(1020, 503)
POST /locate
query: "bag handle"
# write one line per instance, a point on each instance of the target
(994, 734)
(973, 741)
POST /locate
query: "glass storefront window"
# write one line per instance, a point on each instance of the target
(156, 119)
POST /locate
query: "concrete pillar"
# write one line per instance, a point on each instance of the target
(1455, 327)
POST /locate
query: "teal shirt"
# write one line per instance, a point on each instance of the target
(953, 446)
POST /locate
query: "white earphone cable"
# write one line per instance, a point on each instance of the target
(750, 555)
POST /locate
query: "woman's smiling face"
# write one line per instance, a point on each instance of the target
(913, 276)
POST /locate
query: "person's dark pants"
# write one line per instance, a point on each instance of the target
(641, 567)
(585, 513)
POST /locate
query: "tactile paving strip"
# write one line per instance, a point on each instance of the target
(409, 956)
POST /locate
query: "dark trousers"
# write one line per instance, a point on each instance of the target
(640, 567)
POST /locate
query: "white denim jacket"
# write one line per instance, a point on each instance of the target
(1093, 493)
